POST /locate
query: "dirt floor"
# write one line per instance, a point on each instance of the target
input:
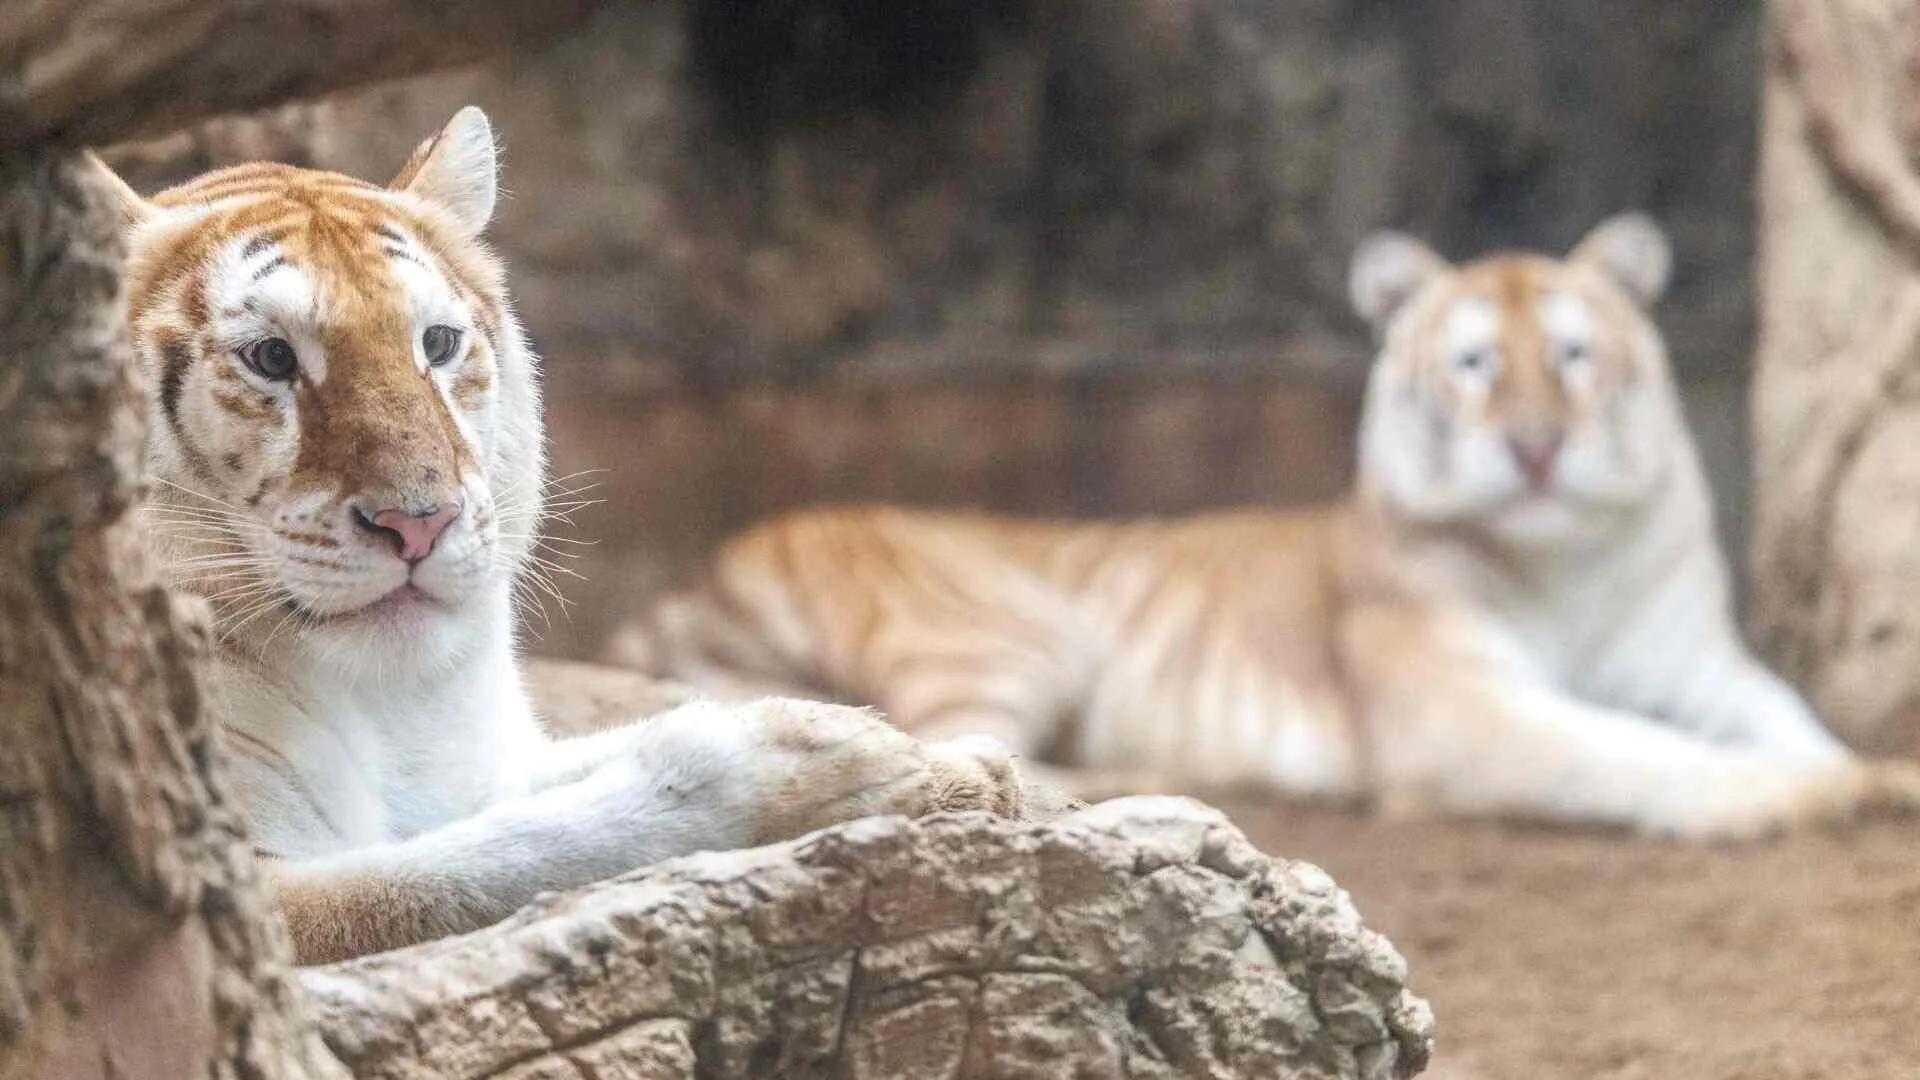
(1551, 955)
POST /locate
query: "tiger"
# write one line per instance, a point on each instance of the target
(347, 472)
(1518, 610)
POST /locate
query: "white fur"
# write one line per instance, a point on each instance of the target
(283, 303)
(1633, 250)
(461, 175)
(1472, 327)
(1388, 268)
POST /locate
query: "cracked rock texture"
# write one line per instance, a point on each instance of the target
(1139, 938)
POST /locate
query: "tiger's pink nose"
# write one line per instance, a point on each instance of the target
(413, 535)
(1536, 453)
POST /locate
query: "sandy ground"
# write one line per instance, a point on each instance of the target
(1551, 955)
(1556, 955)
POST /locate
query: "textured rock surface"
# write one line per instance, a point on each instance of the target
(135, 939)
(1142, 937)
(74, 72)
(1837, 403)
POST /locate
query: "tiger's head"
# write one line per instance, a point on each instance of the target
(1522, 396)
(344, 434)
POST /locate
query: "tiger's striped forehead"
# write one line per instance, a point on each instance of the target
(348, 276)
(1524, 310)
(274, 243)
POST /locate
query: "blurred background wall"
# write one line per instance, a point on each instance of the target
(1076, 257)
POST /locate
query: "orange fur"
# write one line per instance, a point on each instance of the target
(331, 918)
(963, 619)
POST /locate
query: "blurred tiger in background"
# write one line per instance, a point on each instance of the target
(1520, 610)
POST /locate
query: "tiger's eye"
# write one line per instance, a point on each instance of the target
(1574, 353)
(272, 358)
(1474, 361)
(440, 343)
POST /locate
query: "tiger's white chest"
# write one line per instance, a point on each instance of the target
(1628, 631)
(328, 763)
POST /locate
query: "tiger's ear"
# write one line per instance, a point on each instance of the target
(1388, 268)
(133, 209)
(456, 170)
(1631, 249)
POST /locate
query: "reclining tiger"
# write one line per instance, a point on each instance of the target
(348, 463)
(1519, 611)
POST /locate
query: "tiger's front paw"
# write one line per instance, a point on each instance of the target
(826, 764)
(1767, 801)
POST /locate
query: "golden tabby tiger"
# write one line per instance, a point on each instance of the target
(1520, 610)
(346, 439)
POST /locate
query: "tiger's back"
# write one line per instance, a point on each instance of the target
(1096, 644)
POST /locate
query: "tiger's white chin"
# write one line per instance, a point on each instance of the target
(407, 627)
(1563, 520)
(404, 607)
(1541, 521)
(394, 615)
(383, 596)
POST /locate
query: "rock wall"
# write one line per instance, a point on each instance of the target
(1069, 256)
(1838, 366)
